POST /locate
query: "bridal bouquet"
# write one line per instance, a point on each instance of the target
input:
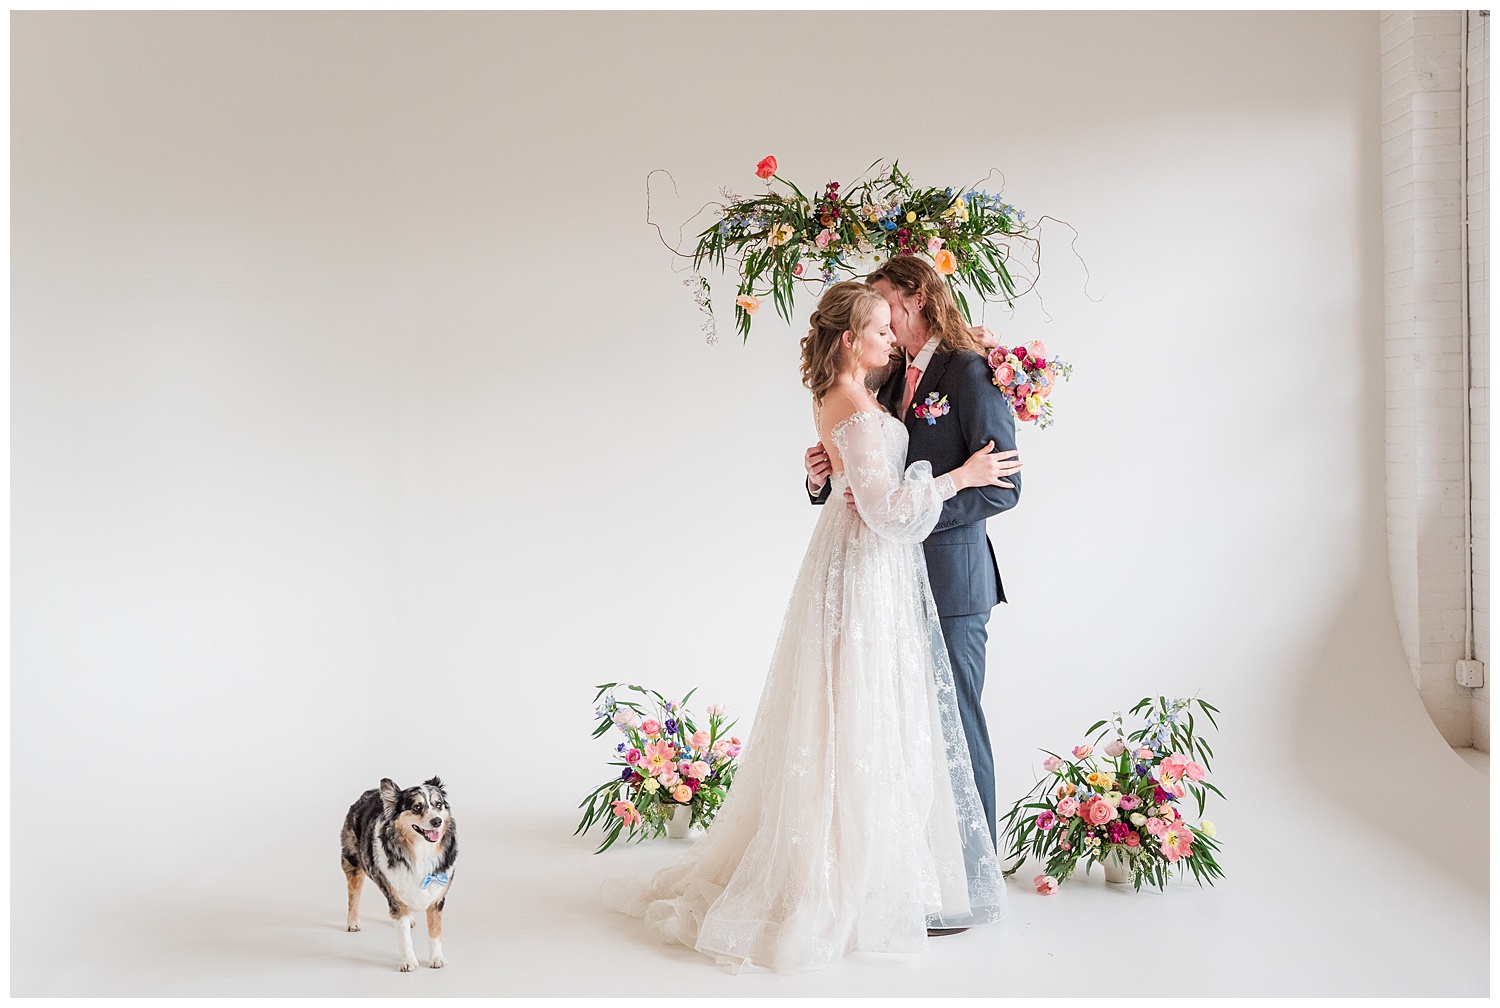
(666, 762)
(1121, 803)
(785, 236)
(1027, 376)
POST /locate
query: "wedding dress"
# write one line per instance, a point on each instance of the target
(853, 822)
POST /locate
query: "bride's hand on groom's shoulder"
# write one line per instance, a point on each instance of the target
(986, 336)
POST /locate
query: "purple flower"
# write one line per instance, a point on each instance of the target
(671, 726)
(627, 773)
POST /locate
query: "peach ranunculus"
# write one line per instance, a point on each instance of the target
(1193, 772)
(682, 793)
(1051, 763)
(1096, 811)
(1082, 751)
(1067, 807)
(699, 740)
(749, 302)
(1176, 842)
(651, 727)
(767, 167)
(933, 244)
(1132, 839)
(1113, 748)
(627, 811)
(698, 770)
(1156, 827)
(1066, 789)
(1045, 884)
(945, 262)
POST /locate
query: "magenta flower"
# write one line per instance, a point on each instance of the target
(1130, 801)
(1117, 832)
(1046, 820)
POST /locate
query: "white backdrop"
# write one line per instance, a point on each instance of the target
(361, 425)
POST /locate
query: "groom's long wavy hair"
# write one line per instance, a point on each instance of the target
(911, 275)
(847, 306)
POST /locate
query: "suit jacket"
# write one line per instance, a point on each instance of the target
(960, 560)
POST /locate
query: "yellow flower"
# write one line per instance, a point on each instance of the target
(781, 234)
(945, 261)
(1094, 779)
(1033, 405)
(1207, 828)
(959, 209)
(911, 215)
(650, 784)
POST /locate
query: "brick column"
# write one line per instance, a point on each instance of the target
(1425, 378)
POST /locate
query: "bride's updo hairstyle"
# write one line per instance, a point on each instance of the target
(847, 306)
(911, 276)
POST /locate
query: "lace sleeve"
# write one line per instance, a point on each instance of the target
(900, 508)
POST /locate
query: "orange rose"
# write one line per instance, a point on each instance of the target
(750, 304)
(945, 261)
(766, 168)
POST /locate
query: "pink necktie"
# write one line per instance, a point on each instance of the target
(913, 375)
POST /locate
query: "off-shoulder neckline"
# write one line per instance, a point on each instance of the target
(856, 415)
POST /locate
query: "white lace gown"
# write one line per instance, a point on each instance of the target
(853, 823)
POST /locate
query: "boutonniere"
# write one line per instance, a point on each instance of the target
(932, 408)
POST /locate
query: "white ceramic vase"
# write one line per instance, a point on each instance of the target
(679, 821)
(1116, 867)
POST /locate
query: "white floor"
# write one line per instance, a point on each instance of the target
(1313, 905)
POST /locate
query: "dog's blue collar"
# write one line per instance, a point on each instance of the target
(441, 878)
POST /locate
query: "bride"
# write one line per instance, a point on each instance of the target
(854, 823)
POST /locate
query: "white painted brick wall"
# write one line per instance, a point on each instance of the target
(1425, 378)
(1479, 352)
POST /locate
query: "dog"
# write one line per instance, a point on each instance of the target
(404, 840)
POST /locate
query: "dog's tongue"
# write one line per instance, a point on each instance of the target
(431, 835)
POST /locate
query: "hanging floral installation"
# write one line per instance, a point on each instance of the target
(782, 238)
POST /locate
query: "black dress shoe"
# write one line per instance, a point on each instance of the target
(934, 932)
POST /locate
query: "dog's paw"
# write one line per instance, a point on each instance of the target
(353, 927)
(438, 962)
(408, 967)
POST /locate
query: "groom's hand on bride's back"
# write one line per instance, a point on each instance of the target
(818, 467)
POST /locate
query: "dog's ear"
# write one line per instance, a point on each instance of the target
(390, 794)
(436, 782)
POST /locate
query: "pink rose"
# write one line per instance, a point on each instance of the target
(1067, 807)
(1082, 751)
(700, 740)
(824, 237)
(1051, 763)
(1132, 839)
(1005, 374)
(1193, 772)
(1156, 827)
(698, 769)
(1046, 820)
(933, 244)
(1130, 801)
(1045, 884)
(1096, 811)
(1113, 748)
(651, 727)
(1144, 753)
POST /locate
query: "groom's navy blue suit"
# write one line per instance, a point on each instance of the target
(960, 561)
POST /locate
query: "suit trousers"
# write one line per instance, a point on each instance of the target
(965, 637)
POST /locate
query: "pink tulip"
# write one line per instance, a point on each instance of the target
(1051, 763)
(1176, 842)
(1037, 349)
(1193, 772)
(1082, 751)
(1045, 884)
(625, 810)
(1113, 748)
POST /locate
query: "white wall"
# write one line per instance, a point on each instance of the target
(361, 426)
(1477, 162)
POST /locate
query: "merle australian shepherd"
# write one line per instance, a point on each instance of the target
(405, 841)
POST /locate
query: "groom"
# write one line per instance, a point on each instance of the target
(940, 361)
